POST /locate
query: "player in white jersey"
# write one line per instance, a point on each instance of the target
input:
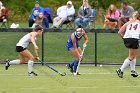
(130, 37)
(24, 53)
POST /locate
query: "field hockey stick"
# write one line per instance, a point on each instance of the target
(45, 64)
(80, 60)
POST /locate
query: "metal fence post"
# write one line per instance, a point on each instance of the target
(96, 48)
(43, 46)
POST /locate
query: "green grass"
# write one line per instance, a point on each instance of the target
(93, 80)
(110, 47)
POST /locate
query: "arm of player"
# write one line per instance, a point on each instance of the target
(86, 39)
(122, 29)
(35, 45)
(74, 46)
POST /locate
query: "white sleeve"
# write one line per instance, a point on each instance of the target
(71, 12)
(58, 10)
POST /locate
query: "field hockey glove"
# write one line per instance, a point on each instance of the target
(84, 45)
(81, 57)
(37, 58)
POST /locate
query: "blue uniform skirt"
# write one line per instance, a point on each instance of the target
(70, 46)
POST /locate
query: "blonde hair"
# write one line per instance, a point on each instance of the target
(86, 3)
(1, 3)
(135, 16)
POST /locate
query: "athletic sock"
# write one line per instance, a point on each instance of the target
(133, 64)
(125, 64)
(75, 65)
(30, 65)
(72, 63)
(17, 61)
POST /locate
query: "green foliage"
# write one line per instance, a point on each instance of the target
(21, 9)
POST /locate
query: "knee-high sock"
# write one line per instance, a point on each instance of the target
(125, 64)
(72, 63)
(75, 65)
(133, 64)
(17, 61)
(30, 65)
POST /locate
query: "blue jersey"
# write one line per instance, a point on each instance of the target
(69, 44)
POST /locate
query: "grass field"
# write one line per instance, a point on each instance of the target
(110, 47)
(93, 80)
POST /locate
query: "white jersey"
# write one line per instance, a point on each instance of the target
(133, 30)
(24, 41)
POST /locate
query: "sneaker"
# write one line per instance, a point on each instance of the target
(120, 73)
(76, 74)
(7, 65)
(134, 73)
(32, 74)
(4, 20)
(71, 68)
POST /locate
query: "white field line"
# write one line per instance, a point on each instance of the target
(98, 79)
(105, 87)
(81, 87)
(131, 86)
(34, 88)
(67, 74)
(98, 73)
(84, 73)
(12, 74)
(95, 79)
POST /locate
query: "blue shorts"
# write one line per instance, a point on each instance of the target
(70, 46)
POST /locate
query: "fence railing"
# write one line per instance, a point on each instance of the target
(105, 46)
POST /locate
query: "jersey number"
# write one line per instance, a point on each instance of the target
(133, 26)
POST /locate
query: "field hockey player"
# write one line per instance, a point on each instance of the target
(131, 37)
(73, 46)
(21, 48)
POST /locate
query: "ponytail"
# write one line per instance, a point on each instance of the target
(135, 15)
(38, 28)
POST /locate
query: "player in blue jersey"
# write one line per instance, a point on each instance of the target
(73, 46)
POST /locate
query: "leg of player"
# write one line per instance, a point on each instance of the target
(21, 60)
(28, 55)
(132, 55)
(129, 61)
(79, 49)
(22, 55)
(75, 62)
(124, 65)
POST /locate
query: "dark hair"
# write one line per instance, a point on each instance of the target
(79, 26)
(125, 3)
(37, 28)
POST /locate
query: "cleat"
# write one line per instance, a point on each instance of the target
(71, 68)
(7, 65)
(32, 74)
(76, 74)
(134, 73)
(120, 73)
